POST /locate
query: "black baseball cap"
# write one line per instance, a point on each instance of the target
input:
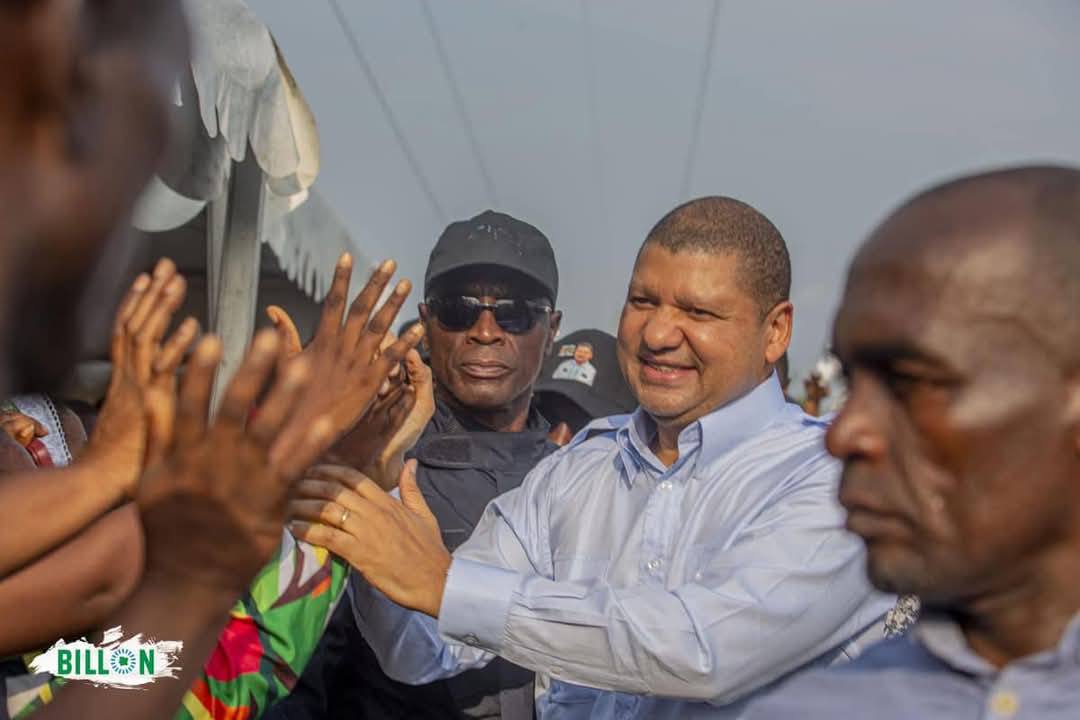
(593, 389)
(499, 241)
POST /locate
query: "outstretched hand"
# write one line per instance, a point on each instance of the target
(391, 460)
(214, 507)
(136, 418)
(377, 445)
(395, 544)
(349, 358)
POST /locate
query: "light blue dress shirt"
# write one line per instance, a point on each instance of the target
(933, 674)
(647, 591)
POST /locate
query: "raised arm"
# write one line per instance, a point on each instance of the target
(219, 485)
(76, 587)
(65, 501)
(275, 627)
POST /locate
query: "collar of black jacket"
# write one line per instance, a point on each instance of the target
(451, 420)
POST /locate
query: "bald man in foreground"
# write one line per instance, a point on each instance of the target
(961, 447)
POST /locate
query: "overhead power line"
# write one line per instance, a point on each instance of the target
(588, 52)
(459, 102)
(699, 107)
(388, 112)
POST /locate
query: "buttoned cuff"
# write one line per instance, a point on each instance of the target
(476, 603)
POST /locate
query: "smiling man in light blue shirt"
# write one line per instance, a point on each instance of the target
(669, 563)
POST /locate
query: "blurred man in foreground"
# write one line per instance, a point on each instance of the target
(670, 561)
(87, 86)
(961, 447)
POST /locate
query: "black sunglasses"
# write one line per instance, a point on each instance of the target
(514, 315)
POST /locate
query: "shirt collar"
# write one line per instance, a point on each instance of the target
(706, 439)
(943, 639)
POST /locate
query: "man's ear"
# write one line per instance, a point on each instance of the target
(556, 322)
(778, 325)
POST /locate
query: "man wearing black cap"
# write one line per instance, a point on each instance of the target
(489, 292)
(490, 320)
(581, 381)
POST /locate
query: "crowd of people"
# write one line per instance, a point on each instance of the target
(479, 517)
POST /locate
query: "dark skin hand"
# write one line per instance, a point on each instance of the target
(66, 500)
(393, 423)
(395, 544)
(135, 417)
(218, 484)
(350, 355)
(377, 446)
(100, 592)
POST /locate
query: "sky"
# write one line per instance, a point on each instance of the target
(579, 116)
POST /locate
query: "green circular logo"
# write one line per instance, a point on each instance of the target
(122, 662)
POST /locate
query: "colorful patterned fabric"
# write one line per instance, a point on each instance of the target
(271, 635)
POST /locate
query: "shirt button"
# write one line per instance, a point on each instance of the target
(666, 485)
(1005, 703)
(654, 564)
(471, 639)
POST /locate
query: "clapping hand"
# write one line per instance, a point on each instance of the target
(349, 356)
(377, 445)
(214, 507)
(136, 417)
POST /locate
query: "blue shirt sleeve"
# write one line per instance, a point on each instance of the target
(782, 594)
(408, 644)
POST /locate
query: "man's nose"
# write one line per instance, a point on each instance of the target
(662, 331)
(857, 432)
(485, 330)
